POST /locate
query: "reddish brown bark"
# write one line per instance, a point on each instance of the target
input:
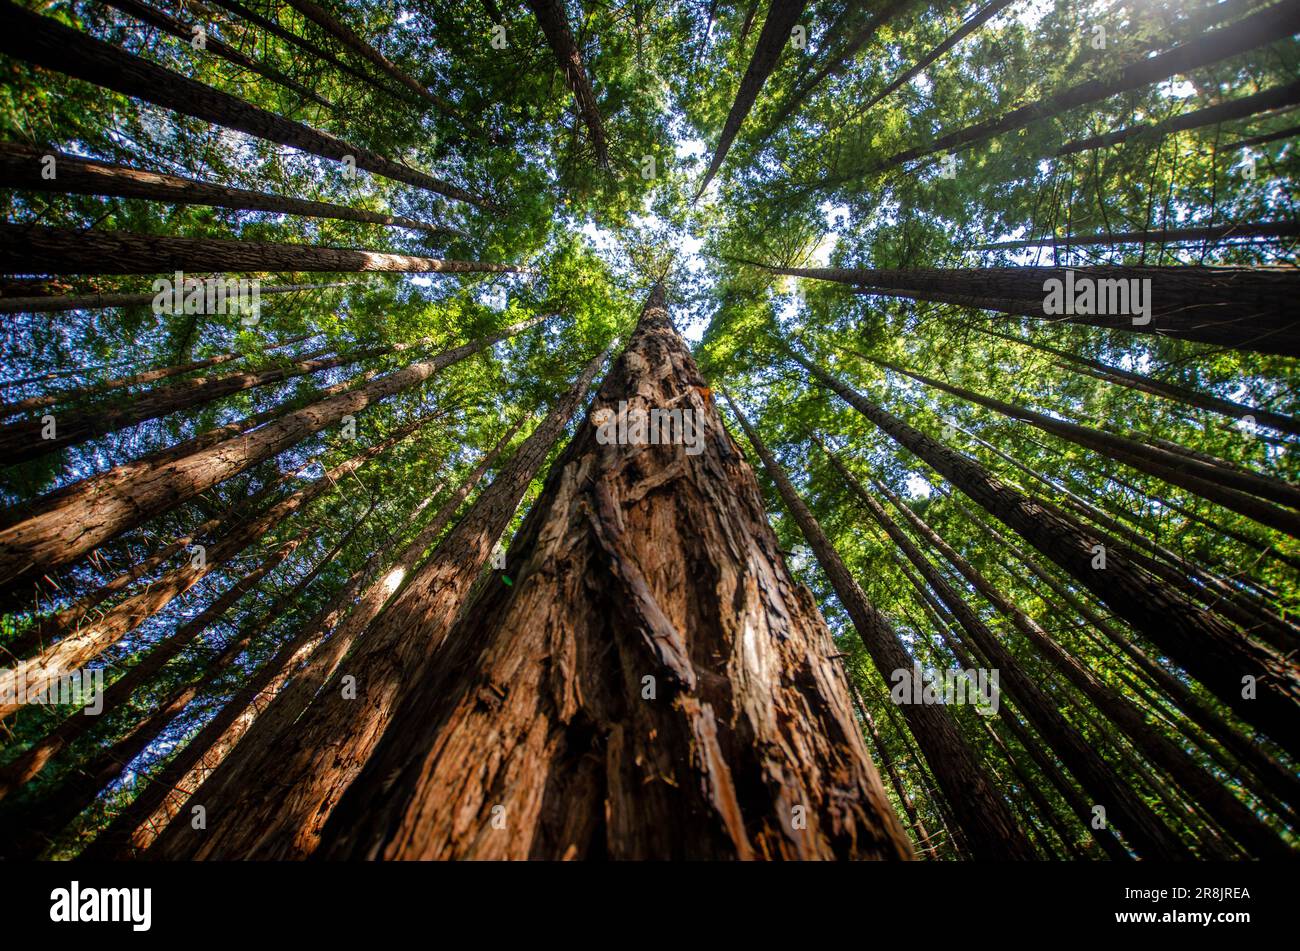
(637, 561)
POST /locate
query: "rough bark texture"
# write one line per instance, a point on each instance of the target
(185, 31)
(281, 813)
(56, 303)
(1208, 648)
(781, 18)
(1280, 97)
(20, 167)
(1246, 308)
(554, 21)
(75, 521)
(983, 815)
(43, 42)
(538, 734)
(32, 249)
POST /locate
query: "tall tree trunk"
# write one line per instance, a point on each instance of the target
(1279, 97)
(1239, 491)
(20, 441)
(1262, 688)
(31, 249)
(983, 815)
(84, 393)
(93, 638)
(1143, 829)
(1206, 304)
(20, 167)
(56, 303)
(781, 18)
(889, 765)
(280, 815)
(1259, 29)
(96, 510)
(259, 752)
(1246, 229)
(554, 21)
(42, 41)
(976, 20)
(1190, 777)
(185, 32)
(1173, 391)
(640, 677)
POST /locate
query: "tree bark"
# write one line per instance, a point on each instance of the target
(43, 42)
(554, 21)
(21, 165)
(781, 18)
(1208, 648)
(985, 818)
(280, 815)
(1246, 308)
(1247, 229)
(33, 249)
(91, 512)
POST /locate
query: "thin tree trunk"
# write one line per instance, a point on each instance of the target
(21, 167)
(281, 813)
(977, 20)
(93, 638)
(1208, 648)
(1279, 97)
(32, 249)
(782, 15)
(40, 40)
(554, 21)
(62, 302)
(1259, 29)
(84, 393)
(1189, 776)
(1241, 492)
(1246, 308)
(91, 512)
(638, 561)
(1173, 391)
(1143, 829)
(185, 32)
(984, 816)
(1247, 229)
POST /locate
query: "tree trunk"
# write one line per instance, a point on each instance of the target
(1259, 29)
(32, 249)
(985, 819)
(20, 167)
(781, 18)
(1209, 649)
(1172, 391)
(280, 815)
(57, 303)
(1247, 229)
(40, 40)
(185, 32)
(1190, 777)
(1239, 491)
(1205, 304)
(93, 638)
(95, 510)
(976, 21)
(641, 675)
(554, 21)
(1280, 97)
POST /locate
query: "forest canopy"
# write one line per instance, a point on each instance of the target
(968, 525)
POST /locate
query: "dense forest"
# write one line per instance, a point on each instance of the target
(642, 429)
